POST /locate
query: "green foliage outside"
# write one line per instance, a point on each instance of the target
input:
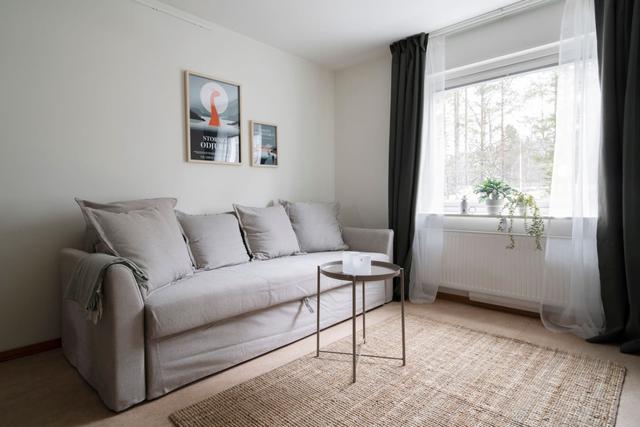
(503, 129)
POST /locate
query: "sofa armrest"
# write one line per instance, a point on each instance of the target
(110, 354)
(369, 240)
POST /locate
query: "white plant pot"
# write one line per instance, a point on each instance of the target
(522, 210)
(494, 206)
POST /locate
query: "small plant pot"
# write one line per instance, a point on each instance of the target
(494, 206)
(522, 209)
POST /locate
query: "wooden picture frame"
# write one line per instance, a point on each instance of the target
(264, 144)
(213, 120)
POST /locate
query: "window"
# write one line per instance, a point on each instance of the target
(502, 128)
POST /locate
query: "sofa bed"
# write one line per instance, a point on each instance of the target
(221, 289)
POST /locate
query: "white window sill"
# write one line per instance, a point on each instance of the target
(488, 224)
(482, 215)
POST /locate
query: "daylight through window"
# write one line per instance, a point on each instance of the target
(502, 128)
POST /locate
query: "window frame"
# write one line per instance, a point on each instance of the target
(504, 66)
(525, 61)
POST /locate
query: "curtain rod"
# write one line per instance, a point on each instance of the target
(161, 7)
(485, 18)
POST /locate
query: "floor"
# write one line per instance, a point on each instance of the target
(45, 390)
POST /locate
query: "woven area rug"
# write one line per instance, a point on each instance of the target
(454, 377)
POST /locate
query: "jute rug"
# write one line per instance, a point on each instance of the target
(454, 377)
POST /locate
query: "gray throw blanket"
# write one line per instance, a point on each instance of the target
(85, 284)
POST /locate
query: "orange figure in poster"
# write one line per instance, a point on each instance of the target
(215, 119)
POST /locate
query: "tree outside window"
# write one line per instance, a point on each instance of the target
(502, 128)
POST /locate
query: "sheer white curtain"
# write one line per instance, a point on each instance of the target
(426, 265)
(571, 291)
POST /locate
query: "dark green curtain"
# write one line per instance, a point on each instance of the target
(618, 32)
(407, 97)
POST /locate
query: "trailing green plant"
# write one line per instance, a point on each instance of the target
(492, 188)
(533, 226)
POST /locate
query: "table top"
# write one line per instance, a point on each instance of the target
(380, 270)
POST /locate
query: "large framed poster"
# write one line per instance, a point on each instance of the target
(264, 144)
(213, 120)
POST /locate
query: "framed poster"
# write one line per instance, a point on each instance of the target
(264, 144)
(213, 120)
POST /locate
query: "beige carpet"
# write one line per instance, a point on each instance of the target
(454, 377)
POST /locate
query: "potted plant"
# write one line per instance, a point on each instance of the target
(525, 203)
(493, 192)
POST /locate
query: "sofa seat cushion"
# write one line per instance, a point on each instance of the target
(214, 295)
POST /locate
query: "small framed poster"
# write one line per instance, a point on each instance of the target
(213, 120)
(264, 144)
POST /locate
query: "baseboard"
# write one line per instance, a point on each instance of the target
(464, 299)
(30, 349)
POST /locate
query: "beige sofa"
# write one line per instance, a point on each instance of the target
(143, 348)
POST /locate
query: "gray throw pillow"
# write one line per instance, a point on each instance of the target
(148, 239)
(215, 240)
(267, 231)
(316, 225)
(92, 241)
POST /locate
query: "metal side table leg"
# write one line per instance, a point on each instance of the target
(353, 325)
(364, 314)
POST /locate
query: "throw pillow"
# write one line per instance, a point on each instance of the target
(148, 239)
(92, 241)
(316, 225)
(215, 240)
(267, 231)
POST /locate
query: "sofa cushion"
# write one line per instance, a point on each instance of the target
(215, 240)
(215, 295)
(148, 239)
(267, 231)
(316, 225)
(92, 241)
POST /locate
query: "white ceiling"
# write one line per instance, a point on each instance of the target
(334, 33)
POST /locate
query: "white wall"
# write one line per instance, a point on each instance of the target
(92, 106)
(363, 97)
(362, 142)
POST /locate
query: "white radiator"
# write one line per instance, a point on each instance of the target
(479, 263)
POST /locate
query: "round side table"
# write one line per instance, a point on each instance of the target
(380, 270)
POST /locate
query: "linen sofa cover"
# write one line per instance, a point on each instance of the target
(210, 296)
(109, 355)
(126, 367)
(176, 360)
